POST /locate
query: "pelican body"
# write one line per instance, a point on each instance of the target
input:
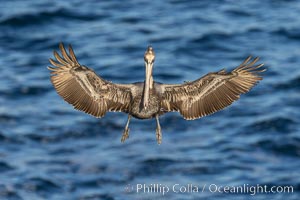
(88, 92)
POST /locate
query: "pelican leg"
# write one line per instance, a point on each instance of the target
(158, 130)
(126, 130)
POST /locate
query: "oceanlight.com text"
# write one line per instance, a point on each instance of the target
(163, 189)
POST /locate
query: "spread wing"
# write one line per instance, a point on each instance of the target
(81, 87)
(211, 92)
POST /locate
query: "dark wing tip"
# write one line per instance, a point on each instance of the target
(72, 54)
(61, 45)
(65, 60)
(249, 66)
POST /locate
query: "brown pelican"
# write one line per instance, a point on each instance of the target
(88, 92)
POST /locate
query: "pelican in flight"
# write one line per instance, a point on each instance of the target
(90, 93)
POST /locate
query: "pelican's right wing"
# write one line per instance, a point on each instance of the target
(81, 87)
(212, 92)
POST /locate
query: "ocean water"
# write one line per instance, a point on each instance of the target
(50, 151)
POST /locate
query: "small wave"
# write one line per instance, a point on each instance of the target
(211, 37)
(97, 182)
(291, 84)
(63, 151)
(96, 196)
(162, 39)
(54, 138)
(29, 19)
(33, 90)
(289, 33)
(195, 170)
(165, 76)
(8, 139)
(277, 124)
(131, 20)
(44, 187)
(48, 162)
(145, 30)
(85, 130)
(213, 41)
(6, 118)
(5, 167)
(21, 91)
(9, 193)
(154, 166)
(238, 13)
(289, 147)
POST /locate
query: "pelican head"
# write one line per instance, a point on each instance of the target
(149, 58)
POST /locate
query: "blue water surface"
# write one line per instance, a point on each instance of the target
(50, 151)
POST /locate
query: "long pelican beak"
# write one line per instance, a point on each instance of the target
(149, 67)
(149, 61)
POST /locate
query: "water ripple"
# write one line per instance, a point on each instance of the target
(42, 17)
(275, 124)
(50, 151)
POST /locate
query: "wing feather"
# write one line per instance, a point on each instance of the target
(212, 92)
(81, 87)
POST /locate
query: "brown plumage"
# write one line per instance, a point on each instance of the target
(88, 92)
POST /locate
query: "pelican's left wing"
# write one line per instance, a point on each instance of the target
(212, 92)
(84, 89)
